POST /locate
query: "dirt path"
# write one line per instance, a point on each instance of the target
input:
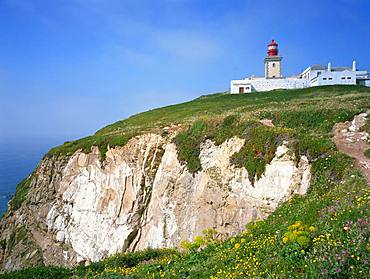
(348, 139)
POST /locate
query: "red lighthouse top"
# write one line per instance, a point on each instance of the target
(272, 49)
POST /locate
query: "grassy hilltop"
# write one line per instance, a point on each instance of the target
(324, 234)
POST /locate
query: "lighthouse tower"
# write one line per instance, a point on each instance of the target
(273, 61)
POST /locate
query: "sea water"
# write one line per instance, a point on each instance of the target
(17, 160)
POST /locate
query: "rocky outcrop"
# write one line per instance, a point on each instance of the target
(349, 139)
(80, 209)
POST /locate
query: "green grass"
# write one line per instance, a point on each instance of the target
(367, 153)
(86, 144)
(110, 265)
(213, 106)
(366, 127)
(188, 141)
(324, 234)
(20, 195)
(259, 149)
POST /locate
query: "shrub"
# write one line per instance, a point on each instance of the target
(188, 145)
(20, 193)
(43, 272)
(366, 127)
(367, 153)
(209, 237)
(2, 244)
(311, 118)
(259, 149)
(300, 234)
(227, 129)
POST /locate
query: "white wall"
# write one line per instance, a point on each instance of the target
(331, 78)
(311, 78)
(262, 84)
(236, 84)
(365, 82)
(279, 83)
(362, 74)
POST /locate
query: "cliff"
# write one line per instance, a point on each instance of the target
(164, 176)
(141, 195)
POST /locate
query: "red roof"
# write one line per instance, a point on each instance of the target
(273, 43)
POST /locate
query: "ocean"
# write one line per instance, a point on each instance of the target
(17, 160)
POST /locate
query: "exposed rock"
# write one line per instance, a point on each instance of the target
(267, 122)
(349, 139)
(80, 210)
(357, 122)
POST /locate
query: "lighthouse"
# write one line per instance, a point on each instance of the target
(273, 61)
(314, 75)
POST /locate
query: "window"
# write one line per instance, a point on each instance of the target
(343, 77)
(241, 89)
(273, 65)
(348, 77)
(324, 78)
(330, 78)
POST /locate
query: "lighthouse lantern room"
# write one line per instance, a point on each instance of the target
(273, 61)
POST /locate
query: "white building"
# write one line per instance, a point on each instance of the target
(319, 75)
(313, 76)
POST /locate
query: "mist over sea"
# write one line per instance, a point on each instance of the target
(17, 160)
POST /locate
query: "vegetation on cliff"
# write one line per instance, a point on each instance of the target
(215, 107)
(20, 194)
(322, 234)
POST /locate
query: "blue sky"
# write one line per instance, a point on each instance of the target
(70, 67)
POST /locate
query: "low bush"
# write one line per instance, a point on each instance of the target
(188, 145)
(209, 237)
(20, 193)
(259, 149)
(367, 153)
(42, 272)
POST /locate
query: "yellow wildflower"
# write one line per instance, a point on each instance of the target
(312, 229)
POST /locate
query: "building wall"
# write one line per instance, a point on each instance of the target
(331, 78)
(362, 74)
(281, 83)
(314, 73)
(364, 82)
(243, 83)
(263, 84)
(273, 68)
(306, 74)
(309, 77)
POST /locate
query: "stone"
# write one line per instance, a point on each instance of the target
(143, 196)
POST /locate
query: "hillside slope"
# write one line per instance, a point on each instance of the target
(254, 151)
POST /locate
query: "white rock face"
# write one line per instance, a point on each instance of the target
(144, 197)
(357, 122)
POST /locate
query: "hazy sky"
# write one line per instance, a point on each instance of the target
(69, 67)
